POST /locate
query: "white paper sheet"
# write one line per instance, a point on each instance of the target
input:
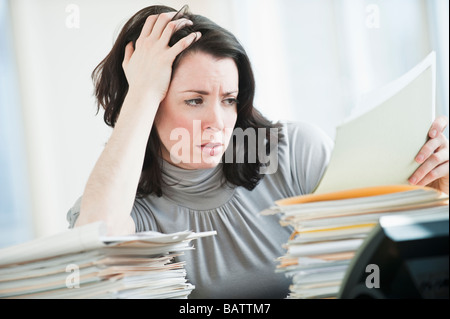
(378, 147)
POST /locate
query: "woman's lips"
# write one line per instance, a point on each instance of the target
(211, 148)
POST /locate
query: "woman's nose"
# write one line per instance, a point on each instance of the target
(213, 117)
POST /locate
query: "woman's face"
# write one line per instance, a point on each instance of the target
(196, 119)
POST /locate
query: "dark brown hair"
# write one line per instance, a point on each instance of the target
(111, 88)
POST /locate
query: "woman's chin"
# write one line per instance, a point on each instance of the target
(205, 163)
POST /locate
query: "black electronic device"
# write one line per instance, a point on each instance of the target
(404, 256)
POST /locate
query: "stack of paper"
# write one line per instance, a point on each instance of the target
(329, 229)
(81, 263)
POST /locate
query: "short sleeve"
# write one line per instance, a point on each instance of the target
(143, 216)
(309, 154)
(140, 213)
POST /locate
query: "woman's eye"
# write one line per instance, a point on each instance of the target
(231, 101)
(193, 102)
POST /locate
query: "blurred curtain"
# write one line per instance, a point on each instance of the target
(314, 59)
(15, 223)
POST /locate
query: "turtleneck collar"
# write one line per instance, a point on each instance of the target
(198, 189)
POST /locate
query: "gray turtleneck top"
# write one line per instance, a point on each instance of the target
(240, 261)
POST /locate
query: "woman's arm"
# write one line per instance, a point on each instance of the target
(433, 157)
(111, 188)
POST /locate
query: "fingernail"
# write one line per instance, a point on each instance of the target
(433, 133)
(196, 36)
(419, 158)
(185, 22)
(413, 180)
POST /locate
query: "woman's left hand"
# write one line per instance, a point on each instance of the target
(433, 159)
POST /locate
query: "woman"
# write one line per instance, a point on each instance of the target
(175, 75)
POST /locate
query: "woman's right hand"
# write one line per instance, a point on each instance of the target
(111, 188)
(148, 65)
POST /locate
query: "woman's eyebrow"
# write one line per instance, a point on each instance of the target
(196, 91)
(207, 93)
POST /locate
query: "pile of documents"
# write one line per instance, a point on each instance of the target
(82, 263)
(329, 229)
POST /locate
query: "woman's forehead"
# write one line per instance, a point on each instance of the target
(199, 71)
